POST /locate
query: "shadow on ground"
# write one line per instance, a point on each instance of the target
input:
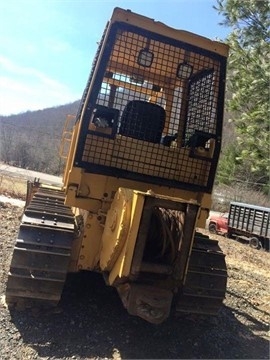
(91, 322)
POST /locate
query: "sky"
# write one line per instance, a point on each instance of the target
(47, 46)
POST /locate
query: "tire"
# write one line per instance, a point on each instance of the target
(212, 228)
(255, 243)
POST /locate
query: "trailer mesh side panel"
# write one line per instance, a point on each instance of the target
(250, 219)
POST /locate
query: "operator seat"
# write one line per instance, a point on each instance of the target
(143, 120)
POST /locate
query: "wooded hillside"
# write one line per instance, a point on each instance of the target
(32, 139)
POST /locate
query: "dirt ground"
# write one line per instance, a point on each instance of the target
(91, 323)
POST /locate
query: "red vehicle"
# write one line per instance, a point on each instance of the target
(218, 223)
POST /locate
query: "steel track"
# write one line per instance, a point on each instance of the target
(42, 250)
(205, 285)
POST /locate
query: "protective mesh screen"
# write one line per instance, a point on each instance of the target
(156, 111)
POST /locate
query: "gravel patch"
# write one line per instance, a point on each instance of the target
(91, 323)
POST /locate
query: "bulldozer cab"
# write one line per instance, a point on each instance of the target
(153, 106)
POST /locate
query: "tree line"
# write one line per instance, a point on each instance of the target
(31, 140)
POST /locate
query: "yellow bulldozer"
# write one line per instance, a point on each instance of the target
(140, 167)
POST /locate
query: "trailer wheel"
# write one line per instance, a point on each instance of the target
(255, 243)
(212, 228)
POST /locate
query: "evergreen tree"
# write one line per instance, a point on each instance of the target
(248, 83)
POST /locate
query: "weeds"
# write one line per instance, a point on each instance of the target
(13, 187)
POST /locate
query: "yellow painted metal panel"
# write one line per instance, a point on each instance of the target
(116, 228)
(160, 28)
(123, 264)
(91, 244)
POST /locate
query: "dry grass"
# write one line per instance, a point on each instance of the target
(13, 186)
(16, 188)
